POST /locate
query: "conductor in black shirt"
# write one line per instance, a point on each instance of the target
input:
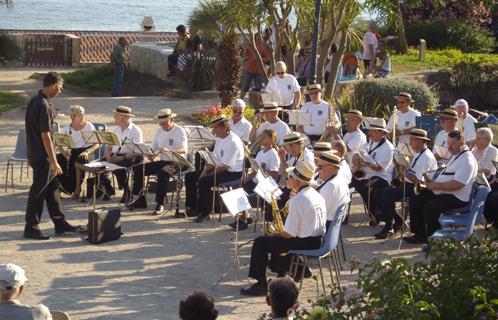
(41, 157)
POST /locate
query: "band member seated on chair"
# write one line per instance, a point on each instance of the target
(467, 120)
(122, 156)
(354, 138)
(267, 158)
(238, 123)
(333, 188)
(406, 118)
(450, 190)
(339, 148)
(272, 121)
(168, 137)
(376, 175)
(230, 151)
(303, 229)
(448, 119)
(72, 177)
(423, 161)
(319, 111)
(485, 153)
(318, 148)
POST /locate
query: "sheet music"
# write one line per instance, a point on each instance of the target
(101, 137)
(367, 158)
(109, 166)
(211, 158)
(140, 148)
(63, 140)
(265, 187)
(177, 158)
(297, 117)
(236, 201)
(198, 133)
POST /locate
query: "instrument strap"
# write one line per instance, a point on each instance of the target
(416, 159)
(325, 182)
(381, 142)
(444, 173)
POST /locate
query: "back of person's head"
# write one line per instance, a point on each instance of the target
(198, 306)
(51, 78)
(12, 280)
(282, 296)
(181, 28)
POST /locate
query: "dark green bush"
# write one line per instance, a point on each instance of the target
(9, 49)
(458, 34)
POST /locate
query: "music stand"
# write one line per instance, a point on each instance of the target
(212, 159)
(143, 150)
(64, 141)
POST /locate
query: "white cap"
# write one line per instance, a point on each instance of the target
(11, 276)
(461, 103)
(239, 103)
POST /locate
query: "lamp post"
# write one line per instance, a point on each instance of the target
(314, 43)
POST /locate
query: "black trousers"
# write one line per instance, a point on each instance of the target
(361, 186)
(275, 246)
(67, 179)
(198, 195)
(314, 138)
(387, 202)
(425, 210)
(172, 61)
(36, 197)
(491, 207)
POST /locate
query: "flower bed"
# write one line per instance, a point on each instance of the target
(211, 112)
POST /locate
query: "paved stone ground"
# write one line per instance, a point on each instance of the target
(155, 263)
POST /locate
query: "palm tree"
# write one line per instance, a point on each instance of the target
(228, 68)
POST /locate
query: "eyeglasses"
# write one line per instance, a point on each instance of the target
(280, 73)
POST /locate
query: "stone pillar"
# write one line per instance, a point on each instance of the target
(75, 49)
(421, 50)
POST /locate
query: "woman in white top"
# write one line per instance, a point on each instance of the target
(485, 153)
(72, 177)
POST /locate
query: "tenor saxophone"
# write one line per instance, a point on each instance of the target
(277, 225)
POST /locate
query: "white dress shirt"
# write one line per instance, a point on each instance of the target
(441, 141)
(78, 140)
(268, 160)
(307, 214)
(345, 172)
(309, 158)
(281, 129)
(242, 128)
(336, 193)
(230, 152)
(282, 90)
(462, 168)
(469, 129)
(173, 139)
(383, 154)
(354, 140)
(319, 117)
(405, 120)
(132, 133)
(485, 158)
(422, 162)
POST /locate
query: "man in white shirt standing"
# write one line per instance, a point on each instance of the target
(319, 111)
(168, 137)
(370, 45)
(272, 121)
(238, 123)
(229, 150)
(448, 119)
(303, 229)
(467, 120)
(451, 189)
(123, 156)
(423, 161)
(284, 89)
(378, 174)
(354, 138)
(406, 119)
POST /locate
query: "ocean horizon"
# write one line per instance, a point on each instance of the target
(103, 15)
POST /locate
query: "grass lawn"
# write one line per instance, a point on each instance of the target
(436, 59)
(9, 100)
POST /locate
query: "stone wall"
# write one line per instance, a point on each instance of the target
(151, 58)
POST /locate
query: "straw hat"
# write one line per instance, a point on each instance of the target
(124, 110)
(312, 87)
(404, 95)
(377, 124)
(419, 134)
(449, 113)
(354, 113)
(270, 106)
(302, 172)
(218, 120)
(322, 146)
(165, 114)
(293, 137)
(331, 158)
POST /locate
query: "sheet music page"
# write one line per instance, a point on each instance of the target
(297, 117)
(107, 165)
(236, 201)
(63, 140)
(265, 187)
(211, 158)
(90, 137)
(109, 138)
(367, 157)
(198, 133)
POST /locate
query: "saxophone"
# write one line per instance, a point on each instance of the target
(277, 225)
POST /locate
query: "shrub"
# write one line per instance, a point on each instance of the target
(376, 97)
(471, 74)
(199, 72)
(441, 34)
(460, 281)
(9, 49)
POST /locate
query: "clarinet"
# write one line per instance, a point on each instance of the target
(69, 158)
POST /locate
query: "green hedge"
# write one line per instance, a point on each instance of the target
(95, 78)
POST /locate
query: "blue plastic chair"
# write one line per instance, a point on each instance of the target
(20, 155)
(327, 250)
(467, 220)
(463, 210)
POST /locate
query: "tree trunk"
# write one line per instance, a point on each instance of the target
(403, 45)
(337, 59)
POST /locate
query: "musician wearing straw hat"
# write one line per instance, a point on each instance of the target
(406, 117)
(318, 148)
(294, 151)
(354, 138)
(423, 161)
(332, 187)
(448, 119)
(319, 111)
(303, 229)
(168, 137)
(229, 150)
(238, 123)
(467, 120)
(449, 190)
(269, 113)
(379, 173)
(127, 132)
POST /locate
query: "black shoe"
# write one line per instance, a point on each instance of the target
(140, 203)
(191, 213)
(60, 230)
(178, 215)
(201, 219)
(413, 240)
(397, 226)
(126, 196)
(35, 235)
(256, 290)
(158, 209)
(385, 233)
